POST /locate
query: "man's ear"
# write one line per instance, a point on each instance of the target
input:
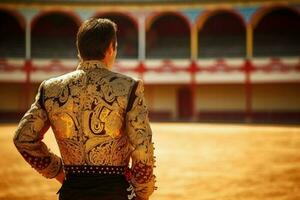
(111, 49)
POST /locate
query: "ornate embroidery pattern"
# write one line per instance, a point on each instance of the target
(28, 138)
(140, 136)
(87, 112)
(142, 173)
(87, 115)
(38, 163)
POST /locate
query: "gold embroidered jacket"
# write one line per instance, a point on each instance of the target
(99, 117)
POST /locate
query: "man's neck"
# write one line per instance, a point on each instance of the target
(91, 64)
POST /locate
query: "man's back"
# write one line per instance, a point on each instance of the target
(100, 121)
(87, 110)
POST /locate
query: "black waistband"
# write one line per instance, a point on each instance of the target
(94, 170)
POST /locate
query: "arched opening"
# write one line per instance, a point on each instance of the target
(223, 34)
(54, 36)
(12, 36)
(127, 35)
(168, 37)
(277, 34)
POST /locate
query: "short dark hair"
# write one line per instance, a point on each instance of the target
(94, 37)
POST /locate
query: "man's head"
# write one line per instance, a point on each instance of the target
(97, 40)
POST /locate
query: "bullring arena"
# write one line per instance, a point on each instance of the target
(194, 162)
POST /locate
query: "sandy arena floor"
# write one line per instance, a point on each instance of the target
(194, 162)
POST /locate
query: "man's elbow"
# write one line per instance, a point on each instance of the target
(16, 139)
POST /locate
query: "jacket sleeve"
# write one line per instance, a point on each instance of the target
(140, 136)
(28, 139)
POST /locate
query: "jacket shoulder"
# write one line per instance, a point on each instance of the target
(63, 78)
(127, 81)
(59, 82)
(125, 77)
(135, 83)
